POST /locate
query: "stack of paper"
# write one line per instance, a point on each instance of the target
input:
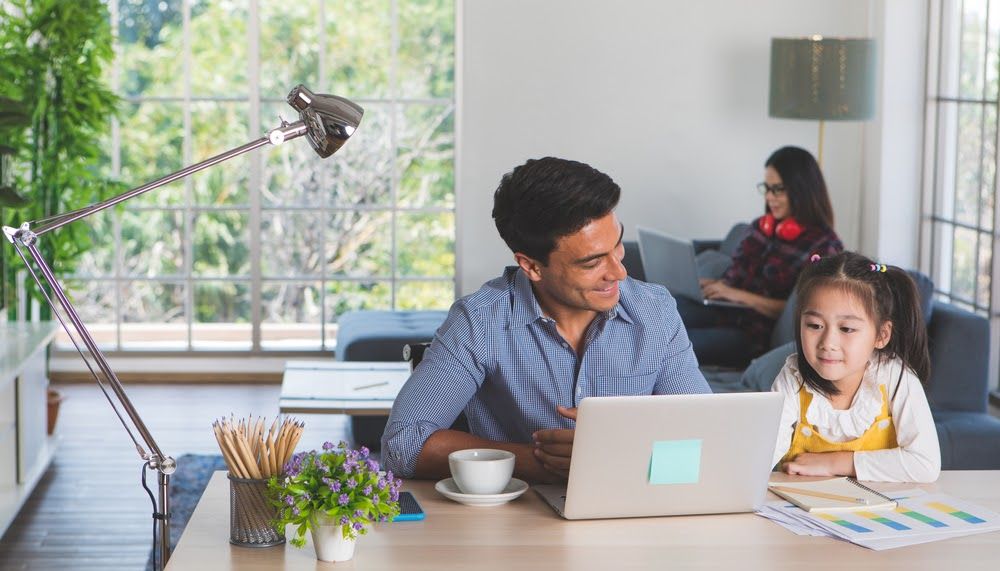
(919, 517)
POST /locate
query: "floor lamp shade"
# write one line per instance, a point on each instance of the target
(830, 79)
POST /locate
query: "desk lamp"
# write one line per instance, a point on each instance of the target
(326, 120)
(830, 79)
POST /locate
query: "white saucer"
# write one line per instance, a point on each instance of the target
(514, 488)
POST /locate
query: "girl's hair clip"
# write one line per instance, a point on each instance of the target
(814, 258)
(878, 267)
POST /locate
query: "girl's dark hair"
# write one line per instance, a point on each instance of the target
(804, 185)
(885, 296)
(545, 199)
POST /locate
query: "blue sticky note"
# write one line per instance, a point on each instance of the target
(675, 462)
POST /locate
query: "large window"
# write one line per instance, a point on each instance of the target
(961, 217)
(265, 251)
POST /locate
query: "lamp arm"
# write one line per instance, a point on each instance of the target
(24, 238)
(278, 135)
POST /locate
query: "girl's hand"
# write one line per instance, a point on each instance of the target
(821, 464)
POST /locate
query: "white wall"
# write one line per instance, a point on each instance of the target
(890, 213)
(669, 97)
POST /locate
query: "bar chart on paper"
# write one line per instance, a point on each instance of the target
(918, 518)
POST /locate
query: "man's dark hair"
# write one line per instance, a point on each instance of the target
(545, 199)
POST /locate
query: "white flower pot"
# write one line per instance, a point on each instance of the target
(328, 539)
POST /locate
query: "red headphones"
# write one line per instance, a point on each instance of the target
(786, 229)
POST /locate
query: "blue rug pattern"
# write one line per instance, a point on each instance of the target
(186, 486)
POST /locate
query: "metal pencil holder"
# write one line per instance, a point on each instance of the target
(251, 514)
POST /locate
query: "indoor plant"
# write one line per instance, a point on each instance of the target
(55, 114)
(336, 494)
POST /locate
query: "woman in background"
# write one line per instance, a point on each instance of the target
(797, 223)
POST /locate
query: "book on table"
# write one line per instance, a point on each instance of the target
(833, 495)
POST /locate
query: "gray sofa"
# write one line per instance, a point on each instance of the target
(958, 389)
(371, 335)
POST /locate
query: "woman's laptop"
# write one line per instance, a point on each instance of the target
(670, 262)
(669, 455)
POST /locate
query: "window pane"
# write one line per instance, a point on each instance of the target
(291, 243)
(151, 242)
(94, 300)
(963, 273)
(973, 49)
(361, 172)
(222, 302)
(217, 127)
(152, 141)
(986, 189)
(153, 302)
(983, 275)
(426, 48)
(425, 295)
(426, 156)
(426, 244)
(358, 48)
(222, 316)
(289, 44)
(99, 260)
(345, 296)
(221, 244)
(992, 60)
(358, 244)
(219, 49)
(291, 315)
(969, 173)
(149, 38)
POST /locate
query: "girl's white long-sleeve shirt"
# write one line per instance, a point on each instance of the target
(918, 456)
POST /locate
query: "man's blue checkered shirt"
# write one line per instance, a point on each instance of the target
(503, 363)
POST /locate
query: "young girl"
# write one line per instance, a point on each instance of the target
(854, 403)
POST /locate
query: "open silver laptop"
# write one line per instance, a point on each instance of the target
(670, 262)
(668, 455)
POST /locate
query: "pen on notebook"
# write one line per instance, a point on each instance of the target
(371, 386)
(837, 497)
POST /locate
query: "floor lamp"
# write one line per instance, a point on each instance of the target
(829, 79)
(326, 120)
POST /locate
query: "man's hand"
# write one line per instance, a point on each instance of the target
(821, 464)
(554, 446)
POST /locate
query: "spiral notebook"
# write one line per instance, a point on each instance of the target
(837, 494)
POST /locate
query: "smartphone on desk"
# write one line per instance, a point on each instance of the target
(409, 509)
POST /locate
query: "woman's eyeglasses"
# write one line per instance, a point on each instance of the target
(776, 189)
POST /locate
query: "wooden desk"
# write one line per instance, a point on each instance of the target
(357, 388)
(527, 534)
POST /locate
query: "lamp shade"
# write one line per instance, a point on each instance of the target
(830, 79)
(329, 120)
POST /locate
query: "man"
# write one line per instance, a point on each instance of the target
(566, 323)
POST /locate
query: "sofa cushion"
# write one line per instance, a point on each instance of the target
(760, 375)
(712, 264)
(380, 335)
(732, 240)
(969, 440)
(925, 289)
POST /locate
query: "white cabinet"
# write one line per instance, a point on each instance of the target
(25, 448)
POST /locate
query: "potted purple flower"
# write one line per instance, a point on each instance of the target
(336, 494)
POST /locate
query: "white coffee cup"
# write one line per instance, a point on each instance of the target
(481, 470)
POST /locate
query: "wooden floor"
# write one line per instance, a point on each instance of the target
(90, 511)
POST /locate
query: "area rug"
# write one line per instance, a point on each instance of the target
(186, 486)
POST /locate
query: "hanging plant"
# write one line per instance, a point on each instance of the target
(55, 54)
